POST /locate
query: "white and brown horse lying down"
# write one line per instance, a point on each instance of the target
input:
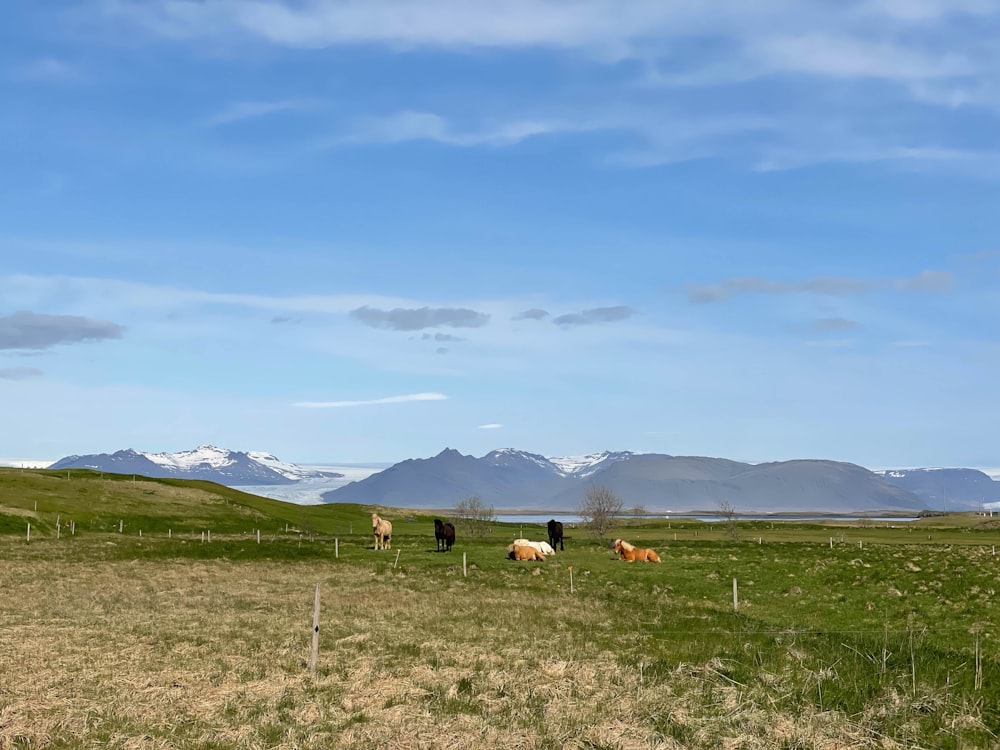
(383, 532)
(631, 553)
(544, 547)
(523, 552)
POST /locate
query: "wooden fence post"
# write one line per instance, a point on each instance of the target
(336, 548)
(736, 598)
(121, 525)
(465, 571)
(314, 655)
(29, 531)
(571, 579)
(258, 536)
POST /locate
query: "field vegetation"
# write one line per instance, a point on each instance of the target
(871, 636)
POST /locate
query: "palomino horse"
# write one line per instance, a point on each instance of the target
(544, 547)
(631, 553)
(383, 532)
(519, 552)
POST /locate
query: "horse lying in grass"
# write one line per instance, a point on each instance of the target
(544, 547)
(382, 529)
(521, 552)
(631, 553)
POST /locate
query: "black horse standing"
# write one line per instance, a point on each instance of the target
(556, 534)
(444, 533)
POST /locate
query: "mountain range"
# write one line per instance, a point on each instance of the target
(517, 480)
(230, 468)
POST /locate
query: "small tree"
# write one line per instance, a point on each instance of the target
(474, 517)
(600, 509)
(729, 514)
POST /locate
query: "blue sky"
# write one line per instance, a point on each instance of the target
(365, 231)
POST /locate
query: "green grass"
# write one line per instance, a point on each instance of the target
(138, 641)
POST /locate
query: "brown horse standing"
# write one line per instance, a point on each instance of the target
(444, 534)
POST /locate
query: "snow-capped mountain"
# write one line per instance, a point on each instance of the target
(513, 479)
(954, 489)
(231, 468)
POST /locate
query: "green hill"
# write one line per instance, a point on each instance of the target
(101, 502)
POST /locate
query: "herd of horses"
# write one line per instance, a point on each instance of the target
(520, 549)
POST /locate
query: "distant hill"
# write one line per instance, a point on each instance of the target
(946, 489)
(512, 479)
(231, 468)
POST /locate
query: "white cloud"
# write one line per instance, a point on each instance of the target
(387, 400)
(401, 127)
(491, 426)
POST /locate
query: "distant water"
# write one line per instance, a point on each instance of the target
(541, 520)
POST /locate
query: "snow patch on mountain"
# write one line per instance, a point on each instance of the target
(585, 466)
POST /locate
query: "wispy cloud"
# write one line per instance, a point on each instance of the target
(372, 402)
(491, 426)
(441, 337)
(932, 282)
(27, 330)
(401, 319)
(405, 126)
(532, 314)
(249, 110)
(594, 315)
(926, 281)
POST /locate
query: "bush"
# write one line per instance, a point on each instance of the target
(474, 517)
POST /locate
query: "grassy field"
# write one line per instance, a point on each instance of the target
(887, 638)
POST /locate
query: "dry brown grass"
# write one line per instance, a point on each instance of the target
(173, 654)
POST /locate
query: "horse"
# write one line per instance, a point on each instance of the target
(520, 552)
(383, 532)
(544, 547)
(631, 553)
(556, 534)
(444, 534)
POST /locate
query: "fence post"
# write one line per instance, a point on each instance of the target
(396, 562)
(336, 548)
(314, 655)
(29, 531)
(571, 579)
(121, 525)
(736, 598)
(258, 536)
(72, 528)
(57, 526)
(465, 571)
